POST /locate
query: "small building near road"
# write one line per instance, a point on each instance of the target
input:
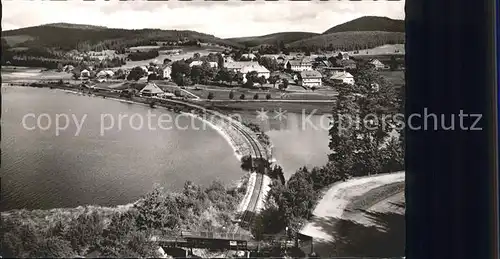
(310, 78)
(342, 77)
(151, 89)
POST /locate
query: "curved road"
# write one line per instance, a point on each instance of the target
(334, 202)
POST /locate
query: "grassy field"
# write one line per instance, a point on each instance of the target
(395, 77)
(295, 107)
(381, 50)
(16, 39)
(19, 73)
(187, 53)
(222, 93)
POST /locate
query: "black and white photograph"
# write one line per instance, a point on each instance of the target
(204, 129)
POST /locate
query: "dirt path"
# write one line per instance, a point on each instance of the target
(337, 198)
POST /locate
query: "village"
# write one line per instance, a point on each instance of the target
(224, 74)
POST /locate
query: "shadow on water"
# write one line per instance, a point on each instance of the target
(384, 239)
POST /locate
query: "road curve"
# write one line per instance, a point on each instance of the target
(333, 203)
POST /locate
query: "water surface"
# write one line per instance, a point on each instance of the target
(42, 170)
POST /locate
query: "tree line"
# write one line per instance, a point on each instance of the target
(118, 233)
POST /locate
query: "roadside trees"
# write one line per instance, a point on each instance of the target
(269, 63)
(365, 147)
(135, 74)
(180, 70)
(273, 80)
(238, 77)
(284, 84)
(252, 77)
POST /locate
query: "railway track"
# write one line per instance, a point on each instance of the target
(249, 212)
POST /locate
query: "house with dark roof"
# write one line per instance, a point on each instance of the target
(321, 64)
(298, 65)
(151, 89)
(348, 63)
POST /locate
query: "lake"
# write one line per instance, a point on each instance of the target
(298, 140)
(44, 169)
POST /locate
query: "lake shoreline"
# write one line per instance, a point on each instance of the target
(240, 148)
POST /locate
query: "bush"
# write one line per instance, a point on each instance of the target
(256, 96)
(242, 97)
(268, 96)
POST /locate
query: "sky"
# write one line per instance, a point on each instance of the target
(221, 19)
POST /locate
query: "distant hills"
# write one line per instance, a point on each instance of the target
(66, 36)
(76, 26)
(350, 40)
(361, 33)
(285, 37)
(369, 23)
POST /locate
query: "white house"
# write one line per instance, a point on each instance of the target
(238, 65)
(196, 63)
(167, 71)
(228, 59)
(298, 65)
(105, 73)
(68, 68)
(377, 64)
(213, 64)
(310, 78)
(261, 71)
(342, 77)
(343, 55)
(199, 63)
(249, 56)
(151, 89)
(85, 73)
